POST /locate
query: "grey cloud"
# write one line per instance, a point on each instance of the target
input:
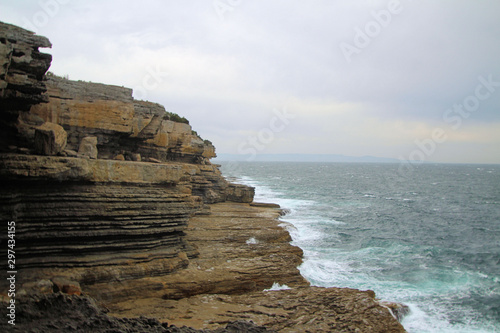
(426, 59)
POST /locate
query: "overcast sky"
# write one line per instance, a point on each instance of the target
(416, 80)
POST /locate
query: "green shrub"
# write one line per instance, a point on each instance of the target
(178, 119)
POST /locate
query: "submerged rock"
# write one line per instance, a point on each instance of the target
(398, 310)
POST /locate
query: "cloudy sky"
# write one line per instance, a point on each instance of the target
(414, 80)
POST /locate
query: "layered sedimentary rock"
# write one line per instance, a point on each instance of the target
(57, 313)
(303, 309)
(116, 199)
(244, 249)
(241, 249)
(22, 68)
(101, 186)
(122, 125)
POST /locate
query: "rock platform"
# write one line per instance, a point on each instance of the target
(244, 249)
(117, 206)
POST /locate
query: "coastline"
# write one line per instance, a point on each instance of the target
(116, 206)
(244, 250)
(244, 254)
(370, 234)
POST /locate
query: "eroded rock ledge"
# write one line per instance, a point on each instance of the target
(241, 249)
(62, 313)
(244, 250)
(101, 186)
(116, 199)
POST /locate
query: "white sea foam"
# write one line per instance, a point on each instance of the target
(428, 290)
(434, 319)
(322, 272)
(252, 240)
(277, 286)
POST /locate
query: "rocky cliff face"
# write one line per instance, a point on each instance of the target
(117, 199)
(22, 67)
(125, 128)
(101, 186)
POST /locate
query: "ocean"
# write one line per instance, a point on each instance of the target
(427, 236)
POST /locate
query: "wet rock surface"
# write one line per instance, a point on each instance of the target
(243, 250)
(303, 309)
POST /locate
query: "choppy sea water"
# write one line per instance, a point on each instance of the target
(428, 237)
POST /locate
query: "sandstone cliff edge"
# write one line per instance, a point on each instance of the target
(116, 199)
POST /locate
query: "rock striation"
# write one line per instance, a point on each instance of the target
(22, 68)
(121, 125)
(116, 199)
(244, 254)
(303, 309)
(101, 186)
(81, 314)
(240, 249)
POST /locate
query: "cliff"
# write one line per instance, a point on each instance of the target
(101, 186)
(116, 199)
(22, 68)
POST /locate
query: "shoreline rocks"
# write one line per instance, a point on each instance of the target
(116, 200)
(87, 216)
(55, 313)
(227, 282)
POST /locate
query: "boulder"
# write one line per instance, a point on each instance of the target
(50, 139)
(88, 147)
(64, 285)
(135, 157)
(240, 193)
